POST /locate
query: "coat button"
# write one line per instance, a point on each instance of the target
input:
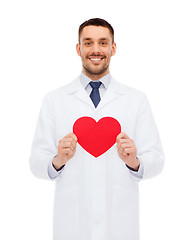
(96, 222)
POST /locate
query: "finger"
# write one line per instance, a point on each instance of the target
(72, 144)
(67, 139)
(126, 140)
(68, 145)
(74, 137)
(124, 143)
(71, 152)
(127, 145)
(67, 151)
(122, 135)
(120, 150)
(67, 142)
(71, 135)
(128, 151)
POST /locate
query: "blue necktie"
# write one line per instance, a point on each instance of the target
(95, 95)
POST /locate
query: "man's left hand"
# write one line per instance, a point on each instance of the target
(127, 151)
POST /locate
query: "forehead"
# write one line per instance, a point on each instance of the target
(95, 32)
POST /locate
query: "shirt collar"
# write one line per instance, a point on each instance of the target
(105, 80)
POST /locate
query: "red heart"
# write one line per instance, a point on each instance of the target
(96, 137)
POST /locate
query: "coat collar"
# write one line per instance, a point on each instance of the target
(114, 90)
(114, 86)
(85, 80)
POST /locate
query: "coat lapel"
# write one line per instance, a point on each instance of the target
(113, 92)
(77, 89)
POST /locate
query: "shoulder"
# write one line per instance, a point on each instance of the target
(64, 90)
(127, 90)
(130, 94)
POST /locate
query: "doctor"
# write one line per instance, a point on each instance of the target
(96, 195)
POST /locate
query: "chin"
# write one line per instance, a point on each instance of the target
(96, 71)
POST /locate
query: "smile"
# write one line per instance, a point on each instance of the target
(96, 59)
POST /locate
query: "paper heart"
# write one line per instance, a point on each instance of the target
(96, 137)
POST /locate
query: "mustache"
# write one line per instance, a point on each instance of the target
(96, 55)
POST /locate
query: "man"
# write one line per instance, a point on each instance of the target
(97, 138)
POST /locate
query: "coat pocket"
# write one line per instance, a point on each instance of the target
(125, 214)
(66, 213)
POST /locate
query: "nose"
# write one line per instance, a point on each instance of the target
(96, 49)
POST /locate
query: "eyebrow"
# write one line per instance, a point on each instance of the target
(104, 39)
(87, 39)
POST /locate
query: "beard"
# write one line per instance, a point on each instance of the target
(94, 71)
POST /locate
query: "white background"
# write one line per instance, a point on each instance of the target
(37, 55)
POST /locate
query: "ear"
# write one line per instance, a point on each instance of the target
(113, 49)
(78, 49)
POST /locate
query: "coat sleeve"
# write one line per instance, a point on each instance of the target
(147, 140)
(44, 145)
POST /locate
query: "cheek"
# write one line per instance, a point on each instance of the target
(84, 54)
(108, 53)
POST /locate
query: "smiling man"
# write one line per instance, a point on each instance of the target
(96, 195)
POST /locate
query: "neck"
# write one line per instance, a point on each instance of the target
(95, 77)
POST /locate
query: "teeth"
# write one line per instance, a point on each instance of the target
(95, 59)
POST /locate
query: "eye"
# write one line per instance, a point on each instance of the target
(103, 43)
(88, 43)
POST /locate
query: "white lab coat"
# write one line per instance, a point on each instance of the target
(96, 198)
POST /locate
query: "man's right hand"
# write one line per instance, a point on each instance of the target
(66, 150)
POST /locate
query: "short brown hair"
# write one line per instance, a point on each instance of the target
(96, 22)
